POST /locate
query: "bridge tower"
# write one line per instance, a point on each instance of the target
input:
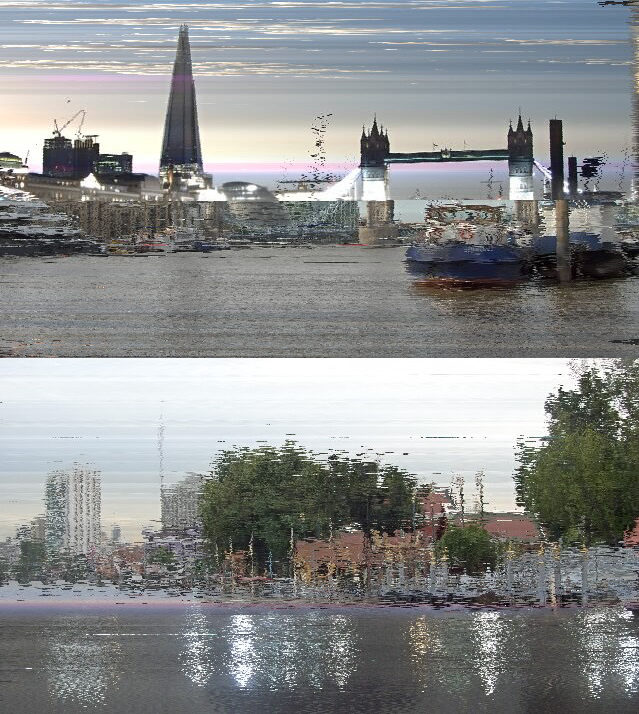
(374, 149)
(520, 162)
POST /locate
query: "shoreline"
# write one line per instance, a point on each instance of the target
(35, 599)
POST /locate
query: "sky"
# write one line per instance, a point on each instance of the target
(435, 71)
(434, 417)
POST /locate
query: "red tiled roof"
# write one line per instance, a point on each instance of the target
(515, 526)
(346, 547)
(631, 538)
(434, 502)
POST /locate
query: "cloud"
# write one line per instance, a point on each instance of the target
(587, 61)
(270, 4)
(201, 69)
(258, 26)
(565, 41)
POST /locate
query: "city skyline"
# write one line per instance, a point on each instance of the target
(464, 416)
(261, 80)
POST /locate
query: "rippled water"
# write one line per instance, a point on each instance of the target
(339, 301)
(209, 659)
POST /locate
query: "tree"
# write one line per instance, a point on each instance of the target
(31, 562)
(163, 556)
(469, 547)
(396, 501)
(582, 480)
(458, 490)
(263, 496)
(75, 566)
(4, 570)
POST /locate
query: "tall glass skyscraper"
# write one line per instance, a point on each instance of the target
(181, 158)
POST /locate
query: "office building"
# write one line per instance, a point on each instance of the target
(180, 503)
(73, 503)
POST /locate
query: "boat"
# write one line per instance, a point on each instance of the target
(152, 247)
(467, 264)
(467, 253)
(120, 247)
(590, 255)
(208, 246)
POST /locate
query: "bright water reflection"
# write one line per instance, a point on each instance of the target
(81, 668)
(282, 652)
(608, 647)
(489, 640)
(243, 657)
(196, 658)
(360, 660)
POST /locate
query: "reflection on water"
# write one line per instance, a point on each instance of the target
(205, 659)
(431, 657)
(281, 652)
(243, 659)
(272, 651)
(196, 658)
(488, 633)
(460, 656)
(609, 651)
(81, 668)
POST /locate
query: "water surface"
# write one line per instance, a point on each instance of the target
(200, 658)
(325, 301)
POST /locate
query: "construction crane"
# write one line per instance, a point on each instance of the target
(58, 130)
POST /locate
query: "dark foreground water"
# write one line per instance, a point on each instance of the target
(337, 301)
(156, 659)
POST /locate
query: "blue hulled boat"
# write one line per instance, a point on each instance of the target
(467, 264)
(591, 256)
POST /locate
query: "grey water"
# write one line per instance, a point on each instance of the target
(324, 301)
(201, 658)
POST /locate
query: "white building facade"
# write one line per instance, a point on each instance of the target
(73, 509)
(181, 503)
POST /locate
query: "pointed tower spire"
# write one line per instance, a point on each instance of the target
(520, 123)
(181, 143)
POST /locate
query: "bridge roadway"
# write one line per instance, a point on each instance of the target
(448, 155)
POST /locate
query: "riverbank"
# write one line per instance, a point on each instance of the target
(109, 595)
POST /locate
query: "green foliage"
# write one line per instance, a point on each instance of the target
(31, 563)
(163, 556)
(582, 482)
(4, 570)
(259, 497)
(471, 548)
(74, 567)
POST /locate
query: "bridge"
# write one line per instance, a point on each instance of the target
(429, 157)
(370, 181)
(376, 156)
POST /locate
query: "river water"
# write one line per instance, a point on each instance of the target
(333, 301)
(203, 658)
